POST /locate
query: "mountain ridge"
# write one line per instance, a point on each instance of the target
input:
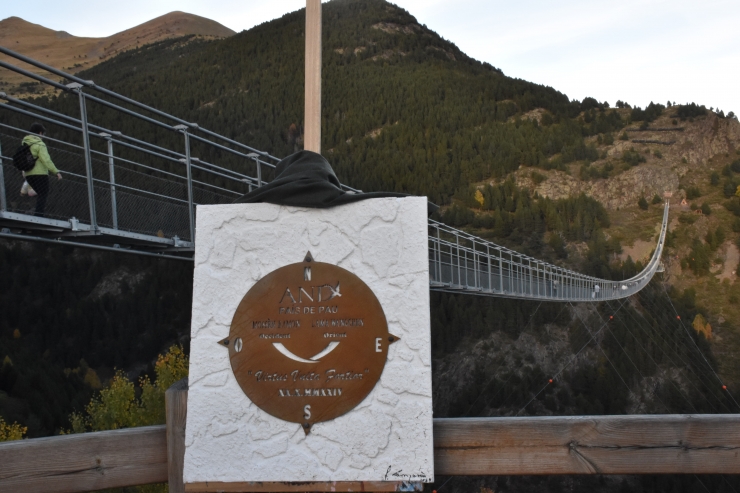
(70, 53)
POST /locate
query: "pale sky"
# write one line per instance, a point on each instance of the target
(635, 50)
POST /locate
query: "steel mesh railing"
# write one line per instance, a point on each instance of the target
(459, 262)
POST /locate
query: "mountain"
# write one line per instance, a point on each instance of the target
(72, 54)
(514, 162)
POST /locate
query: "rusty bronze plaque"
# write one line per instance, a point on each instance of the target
(308, 342)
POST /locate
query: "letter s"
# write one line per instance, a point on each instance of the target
(307, 412)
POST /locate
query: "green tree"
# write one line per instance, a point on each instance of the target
(642, 203)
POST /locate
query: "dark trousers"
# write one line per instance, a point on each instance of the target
(40, 184)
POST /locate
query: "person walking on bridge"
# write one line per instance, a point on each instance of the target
(38, 177)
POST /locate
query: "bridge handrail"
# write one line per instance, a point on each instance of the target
(176, 159)
(524, 274)
(90, 84)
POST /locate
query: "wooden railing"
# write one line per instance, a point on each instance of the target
(630, 444)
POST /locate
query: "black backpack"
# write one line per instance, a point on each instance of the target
(23, 159)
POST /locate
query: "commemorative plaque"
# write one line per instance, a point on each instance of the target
(308, 342)
(310, 370)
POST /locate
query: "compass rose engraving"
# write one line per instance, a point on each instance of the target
(308, 342)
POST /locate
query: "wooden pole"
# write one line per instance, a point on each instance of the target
(176, 403)
(312, 116)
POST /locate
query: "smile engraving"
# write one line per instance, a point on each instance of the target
(314, 359)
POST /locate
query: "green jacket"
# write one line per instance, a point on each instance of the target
(43, 161)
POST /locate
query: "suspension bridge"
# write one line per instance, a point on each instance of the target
(132, 195)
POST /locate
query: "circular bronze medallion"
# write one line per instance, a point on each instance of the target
(308, 342)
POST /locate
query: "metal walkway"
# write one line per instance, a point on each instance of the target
(131, 195)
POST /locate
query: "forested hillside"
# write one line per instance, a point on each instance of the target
(389, 85)
(576, 183)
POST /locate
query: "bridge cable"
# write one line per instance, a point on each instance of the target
(724, 387)
(599, 344)
(638, 370)
(483, 389)
(565, 366)
(654, 306)
(657, 366)
(694, 364)
(672, 363)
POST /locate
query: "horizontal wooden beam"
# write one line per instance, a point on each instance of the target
(308, 487)
(85, 462)
(629, 444)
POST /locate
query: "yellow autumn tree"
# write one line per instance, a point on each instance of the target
(117, 405)
(479, 197)
(10, 432)
(701, 326)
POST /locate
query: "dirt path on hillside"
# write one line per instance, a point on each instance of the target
(639, 251)
(732, 257)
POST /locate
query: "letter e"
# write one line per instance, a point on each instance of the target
(378, 349)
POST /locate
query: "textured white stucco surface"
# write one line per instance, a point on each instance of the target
(388, 436)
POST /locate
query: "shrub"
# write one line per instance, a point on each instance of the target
(650, 113)
(658, 154)
(657, 199)
(624, 136)
(642, 203)
(735, 166)
(736, 225)
(733, 206)
(693, 193)
(730, 187)
(690, 111)
(537, 178)
(714, 179)
(589, 172)
(698, 259)
(608, 138)
(632, 157)
(117, 405)
(10, 432)
(687, 219)
(706, 209)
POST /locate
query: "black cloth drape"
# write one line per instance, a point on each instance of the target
(306, 179)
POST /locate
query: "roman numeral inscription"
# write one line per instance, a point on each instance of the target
(310, 392)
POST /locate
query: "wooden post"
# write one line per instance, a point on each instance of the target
(176, 402)
(312, 116)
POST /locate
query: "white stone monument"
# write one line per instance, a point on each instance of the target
(386, 436)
